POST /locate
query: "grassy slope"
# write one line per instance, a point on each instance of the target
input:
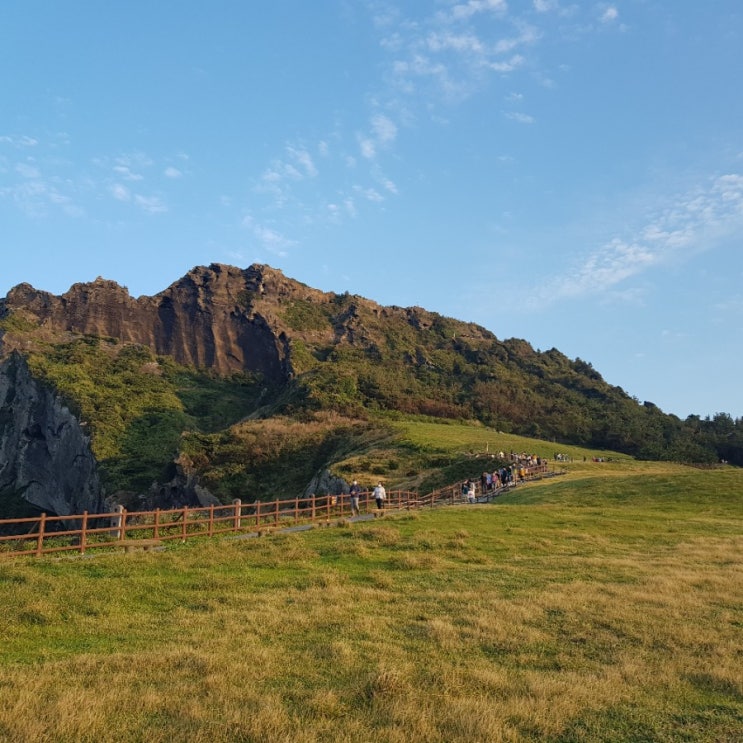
(425, 454)
(606, 605)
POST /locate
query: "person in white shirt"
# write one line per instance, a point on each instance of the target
(380, 495)
(471, 493)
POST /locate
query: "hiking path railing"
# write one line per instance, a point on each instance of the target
(81, 533)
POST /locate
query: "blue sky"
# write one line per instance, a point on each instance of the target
(566, 172)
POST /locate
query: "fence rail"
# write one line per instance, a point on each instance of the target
(45, 534)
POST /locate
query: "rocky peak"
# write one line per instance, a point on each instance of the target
(205, 319)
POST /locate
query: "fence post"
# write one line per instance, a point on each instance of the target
(117, 521)
(184, 530)
(156, 529)
(276, 512)
(314, 500)
(40, 538)
(83, 532)
(211, 520)
(257, 513)
(296, 510)
(237, 503)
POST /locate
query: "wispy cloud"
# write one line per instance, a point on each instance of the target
(609, 14)
(545, 6)
(383, 132)
(268, 237)
(150, 204)
(463, 11)
(120, 192)
(18, 141)
(433, 57)
(689, 223)
(521, 118)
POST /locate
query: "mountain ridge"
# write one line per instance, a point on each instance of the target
(223, 345)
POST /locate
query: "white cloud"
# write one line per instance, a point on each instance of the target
(350, 206)
(277, 179)
(370, 194)
(508, 66)
(150, 204)
(126, 173)
(609, 15)
(120, 193)
(19, 141)
(34, 197)
(384, 129)
(171, 172)
(521, 118)
(269, 238)
(302, 158)
(688, 224)
(473, 7)
(367, 147)
(462, 43)
(389, 185)
(449, 54)
(529, 35)
(383, 134)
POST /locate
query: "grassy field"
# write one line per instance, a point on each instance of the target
(604, 605)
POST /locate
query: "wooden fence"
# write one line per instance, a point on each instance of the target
(44, 534)
(80, 533)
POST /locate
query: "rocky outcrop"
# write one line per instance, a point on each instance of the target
(45, 456)
(326, 483)
(206, 319)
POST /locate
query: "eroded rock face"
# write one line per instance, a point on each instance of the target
(326, 483)
(205, 319)
(45, 456)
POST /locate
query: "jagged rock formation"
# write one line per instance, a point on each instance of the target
(310, 352)
(205, 319)
(45, 456)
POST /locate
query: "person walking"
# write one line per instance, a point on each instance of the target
(355, 492)
(380, 495)
(471, 498)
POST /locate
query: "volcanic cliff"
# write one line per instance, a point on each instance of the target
(205, 319)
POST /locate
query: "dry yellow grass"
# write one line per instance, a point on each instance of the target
(560, 614)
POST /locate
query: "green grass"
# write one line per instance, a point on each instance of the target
(604, 605)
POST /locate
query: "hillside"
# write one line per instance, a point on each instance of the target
(245, 381)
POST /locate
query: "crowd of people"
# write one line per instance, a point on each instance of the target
(520, 467)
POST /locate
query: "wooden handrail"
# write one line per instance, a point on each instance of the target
(87, 531)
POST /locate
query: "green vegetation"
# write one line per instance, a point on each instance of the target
(15, 322)
(272, 458)
(359, 379)
(137, 406)
(302, 314)
(420, 363)
(605, 605)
